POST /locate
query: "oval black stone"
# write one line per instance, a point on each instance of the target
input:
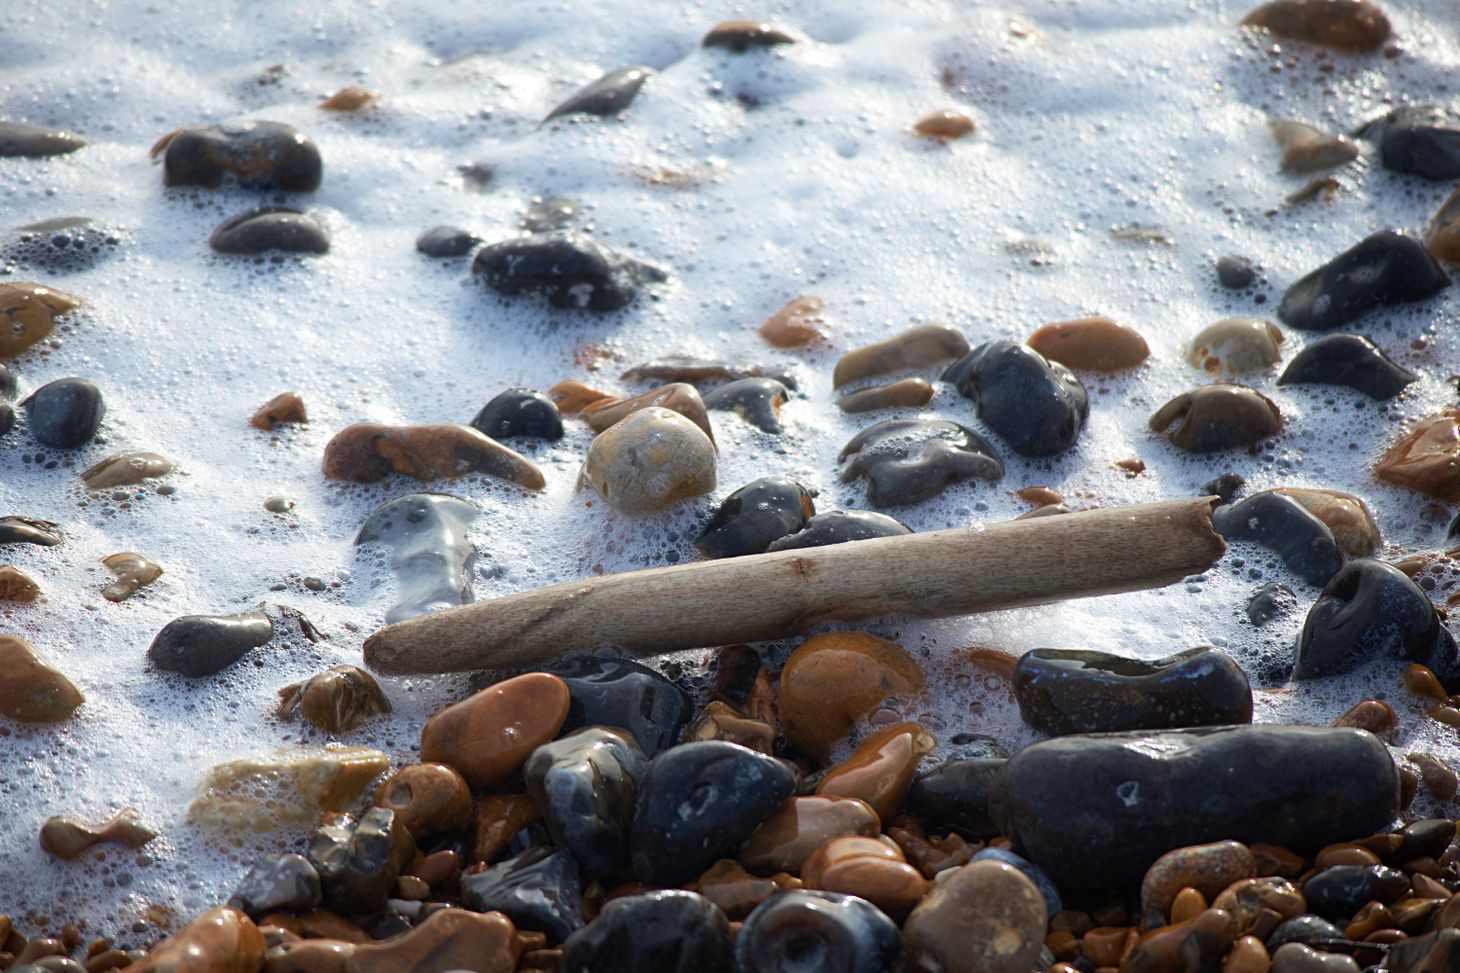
(756, 516)
(1227, 487)
(1235, 273)
(1037, 405)
(260, 155)
(1063, 691)
(9, 384)
(1285, 527)
(1383, 269)
(200, 645)
(665, 931)
(270, 228)
(586, 785)
(520, 412)
(698, 803)
(1348, 359)
(1426, 838)
(1423, 140)
(609, 95)
(1142, 794)
(539, 889)
(17, 139)
(955, 794)
(1272, 600)
(1303, 929)
(800, 931)
(446, 241)
(626, 695)
(65, 413)
(841, 527)
(569, 269)
(1371, 610)
(756, 400)
(910, 460)
(1337, 892)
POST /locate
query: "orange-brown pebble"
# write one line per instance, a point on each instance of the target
(787, 838)
(309, 956)
(904, 394)
(1208, 868)
(286, 407)
(1248, 955)
(1374, 715)
(1091, 344)
(1206, 939)
(1346, 515)
(1247, 900)
(1408, 787)
(843, 847)
(28, 313)
(880, 770)
(437, 869)
(489, 735)
(429, 799)
(834, 679)
(1105, 945)
(1131, 467)
(918, 346)
(1188, 904)
(1344, 853)
(1442, 235)
(727, 884)
(721, 721)
(30, 690)
(796, 325)
(572, 397)
(337, 700)
(133, 572)
(1427, 458)
(984, 917)
(221, 940)
(1217, 417)
(451, 939)
(1448, 715)
(1421, 681)
(678, 397)
(498, 818)
(1064, 945)
(67, 838)
(109, 959)
(1039, 496)
(945, 125)
(367, 452)
(1425, 887)
(893, 886)
(1351, 26)
(1437, 776)
(350, 99)
(16, 585)
(326, 924)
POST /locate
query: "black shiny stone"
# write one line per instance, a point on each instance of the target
(1303, 929)
(1426, 838)
(9, 384)
(1235, 273)
(1272, 600)
(28, 530)
(259, 155)
(200, 645)
(358, 861)
(1423, 140)
(1435, 952)
(61, 246)
(1384, 269)
(665, 931)
(33, 141)
(520, 412)
(803, 931)
(841, 527)
(698, 803)
(1142, 794)
(270, 228)
(743, 35)
(1337, 892)
(906, 461)
(1037, 405)
(756, 516)
(756, 400)
(1227, 487)
(539, 890)
(955, 794)
(65, 413)
(570, 270)
(609, 95)
(1370, 611)
(626, 695)
(1063, 691)
(1348, 359)
(277, 882)
(446, 241)
(586, 784)
(1284, 526)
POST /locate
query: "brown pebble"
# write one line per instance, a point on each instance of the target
(1131, 467)
(678, 397)
(1346, 515)
(1039, 496)
(1188, 904)
(917, 347)
(1427, 458)
(796, 325)
(1448, 715)
(1442, 235)
(1351, 26)
(1218, 417)
(126, 469)
(904, 394)
(337, 700)
(1208, 868)
(1105, 945)
(286, 407)
(489, 735)
(30, 690)
(1246, 900)
(1344, 853)
(221, 940)
(429, 799)
(945, 125)
(1091, 344)
(498, 818)
(309, 956)
(367, 452)
(1197, 944)
(572, 397)
(1310, 149)
(787, 838)
(289, 786)
(895, 887)
(67, 838)
(350, 99)
(110, 959)
(732, 888)
(721, 721)
(834, 679)
(843, 847)
(16, 585)
(451, 939)
(984, 917)
(133, 572)
(1408, 787)
(880, 770)
(1422, 682)
(438, 869)
(1248, 955)
(1437, 776)
(1235, 345)
(28, 313)
(326, 924)
(1374, 715)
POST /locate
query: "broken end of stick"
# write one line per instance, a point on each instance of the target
(382, 654)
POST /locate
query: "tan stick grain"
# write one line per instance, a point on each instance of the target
(766, 596)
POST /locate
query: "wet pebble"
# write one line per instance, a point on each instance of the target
(67, 838)
(1423, 140)
(270, 228)
(841, 527)
(28, 313)
(278, 882)
(540, 889)
(1297, 958)
(1427, 458)
(29, 530)
(1208, 868)
(446, 241)
(33, 141)
(983, 917)
(288, 787)
(906, 461)
(1196, 944)
(201, 645)
(956, 794)
(667, 931)
(803, 824)
(687, 368)
(1236, 272)
(350, 98)
(503, 822)
(257, 154)
(798, 324)
(835, 679)
(65, 245)
(1269, 602)
(65, 413)
(447, 940)
(428, 799)
(1062, 691)
(1235, 345)
(286, 408)
(881, 768)
(945, 125)
(338, 700)
(1288, 529)
(677, 397)
(721, 721)
(520, 412)
(1346, 515)
(221, 940)
(743, 35)
(609, 95)
(1442, 233)
(650, 460)
(1351, 360)
(31, 691)
(586, 785)
(917, 347)
(869, 868)
(626, 695)
(126, 469)
(16, 585)
(1091, 344)
(1373, 715)
(367, 452)
(487, 736)
(1036, 405)
(824, 931)
(1382, 270)
(1309, 149)
(1218, 417)
(358, 860)
(755, 516)
(1352, 26)
(432, 557)
(1302, 929)
(756, 400)
(568, 269)
(1339, 891)
(905, 394)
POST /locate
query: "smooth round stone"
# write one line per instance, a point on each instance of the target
(945, 125)
(1427, 458)
(539, 889)
(1037, 406)
(126, 469)
(667, 931)
(801, 931)
(802, 825)
(1351, 360)
(833, 680)
(917, 347)
(447, 241)
(278, 882)
(1287, 528)
(221, 940)
(1063, 691)
(31, 691)
(1353, 26)
(16, 585)
(609, 95)
(698, 803)
(1052, 901)
(446, 940)
(520, 412)
(892, 885)
(650, 460)
(259, 155)
(1235, 345)
(568, 269)
(1091, 344)
(983, 917)
(489, 735)
(1346, 515)
(1236, 272)
(30, 312)
(755, 516)
(841, 527)
(201, 645)
(1307, 148)
(65, 413)
(743, 35)
(623, 694)
(880, 770)
(1209, 868)
(1420, 139)
(1218, 417)
(17, 139)
(956, 794)
(428, 799)
(1337, 892)
(907, 393)
(586, 785)
(1297, 958)
(1382, 270)
(680, 397)
(338, 700)
(270, 228)
(1302, 929)
(908, 461)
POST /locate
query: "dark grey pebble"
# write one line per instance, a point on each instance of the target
(743, 35)
(1348, 359)
(1269, 602)
(278, 881)
(65, 413)
(551, 213)
(200, 645)
(624, 694)
(1423, 140)
(1385, 268)
(270, 228)
(826, 932)
(1303, 929)
(1438, 950)
(665, 931)
(570, 270)
(756, 516)
(7, 417)
(259, 155)
(539, 889)
(1143, 794)
(61, 246)
(28, 530)
(520, 412)
(446, 241)
(910, 460)
(756, 400)
(609, 95)
(1228, 487)
(1235, 273)
(17, 139)
(1063, 691)
(1371, 610)
(1284, 526)
(433, 558)
(1037, 405)
(358, 861)
(587, 784)
(698, 803)
(841, 527)
(955, 794)
(1337, 892)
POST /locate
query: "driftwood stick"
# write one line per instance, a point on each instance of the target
(766, 596)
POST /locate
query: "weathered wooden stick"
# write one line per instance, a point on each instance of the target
(766, 596)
